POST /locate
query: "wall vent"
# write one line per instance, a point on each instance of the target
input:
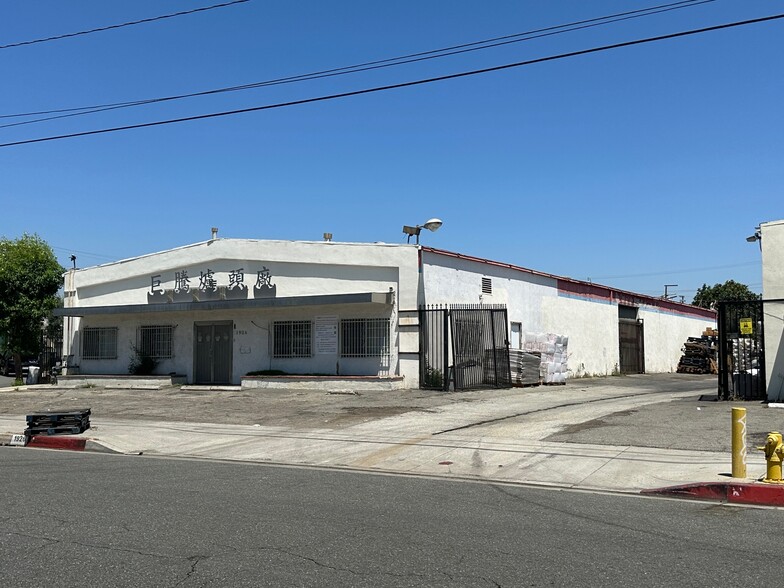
(487, 286)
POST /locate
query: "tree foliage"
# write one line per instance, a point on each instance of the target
(710, 296)
(30, 277)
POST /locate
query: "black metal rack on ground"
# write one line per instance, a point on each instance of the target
(699, 355)
(58, 422)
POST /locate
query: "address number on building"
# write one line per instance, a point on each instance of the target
(20, 440)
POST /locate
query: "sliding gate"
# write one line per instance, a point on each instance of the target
(479, 347)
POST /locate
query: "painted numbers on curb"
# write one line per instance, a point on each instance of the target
(20, 440)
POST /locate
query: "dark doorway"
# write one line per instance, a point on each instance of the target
(631, 337)
(212, 355)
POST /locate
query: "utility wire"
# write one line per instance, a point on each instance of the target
(383, 63)
(682, 271)
(125, 24)
(400, 85)
(87, 253)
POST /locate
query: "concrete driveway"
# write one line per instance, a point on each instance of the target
(617, 433)
(657, 410)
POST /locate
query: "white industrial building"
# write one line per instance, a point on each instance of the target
(771, 239)
(221, 309)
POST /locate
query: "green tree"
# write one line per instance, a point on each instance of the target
(30, 277)
(710, 296)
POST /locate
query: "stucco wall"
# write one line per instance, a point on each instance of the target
(592, 328)
(296, 269)
(665, 335)
(535, 301)
(459, 281)
(772, 242)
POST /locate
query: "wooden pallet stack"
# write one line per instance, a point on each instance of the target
(66, 422)
(699, 354)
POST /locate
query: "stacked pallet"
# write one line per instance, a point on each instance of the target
(699, 355)
(69, 422)
(525, 367)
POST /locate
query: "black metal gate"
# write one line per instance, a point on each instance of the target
(632, 346)
(51, 351)
(480, 345)
(741, 350)
(434, 348)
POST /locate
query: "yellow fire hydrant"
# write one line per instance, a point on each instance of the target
(774, 455)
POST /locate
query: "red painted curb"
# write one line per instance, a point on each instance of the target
(46, 442)
(735, 492)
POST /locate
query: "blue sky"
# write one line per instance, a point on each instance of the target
(638, 167)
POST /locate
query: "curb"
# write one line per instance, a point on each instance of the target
(733, 492)
(48, 442)
(67, 443)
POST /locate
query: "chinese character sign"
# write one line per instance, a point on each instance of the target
(211, 286)
(237, 279)
(264, 287)
(207, 281)
(181, 282)
(156, 293)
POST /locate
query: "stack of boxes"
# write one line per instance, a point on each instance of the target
(553, 367)
(525, 367)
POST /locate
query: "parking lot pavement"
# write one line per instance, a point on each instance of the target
(623, 433)
(309, 409)
(670, 411)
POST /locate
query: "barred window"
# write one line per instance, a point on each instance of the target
(155, 341)
(291, 339)
(99, 343)
(364, 337)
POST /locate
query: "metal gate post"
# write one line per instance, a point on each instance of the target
(495, 349)
(445, 320)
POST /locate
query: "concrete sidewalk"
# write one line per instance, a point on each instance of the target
(505, 436)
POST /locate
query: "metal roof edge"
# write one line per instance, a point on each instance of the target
(652, 300)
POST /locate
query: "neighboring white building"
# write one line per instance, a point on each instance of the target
(217, 310)
(771, 236)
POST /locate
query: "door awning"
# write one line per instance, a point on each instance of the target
(382, 298)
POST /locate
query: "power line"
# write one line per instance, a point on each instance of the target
(370, 65)
(683, 271)
(400, 85)
(125, 24)
(87, 253)
(682, 291)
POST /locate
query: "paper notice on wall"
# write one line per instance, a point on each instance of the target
(326, 334)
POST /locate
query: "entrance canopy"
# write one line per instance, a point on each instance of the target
(382, 298)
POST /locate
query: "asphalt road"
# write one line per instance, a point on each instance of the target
(118, 521)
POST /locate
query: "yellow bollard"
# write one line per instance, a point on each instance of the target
(738, 442)
(774, 455)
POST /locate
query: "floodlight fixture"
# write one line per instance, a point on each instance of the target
(431, 225)
(756, 238)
